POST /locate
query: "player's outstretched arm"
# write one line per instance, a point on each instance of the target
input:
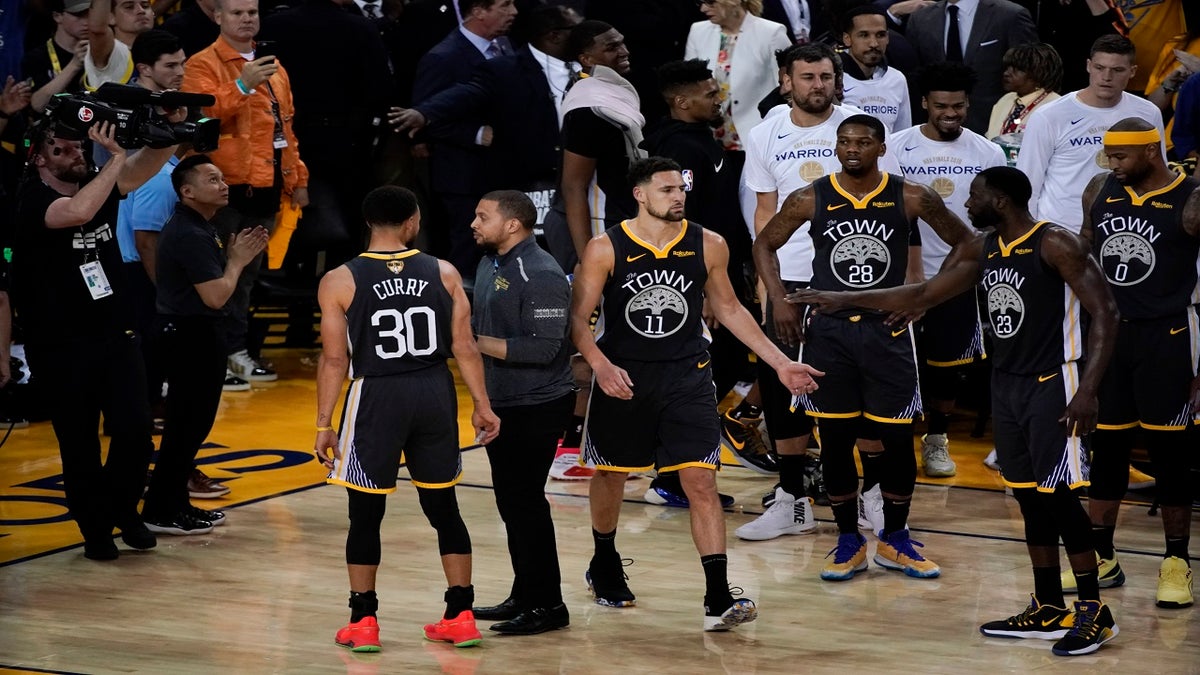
(1070, 256)
(466, 355)
(797, 377)
(594, 269)
(959, 272)
(334, 295)
(921, 201)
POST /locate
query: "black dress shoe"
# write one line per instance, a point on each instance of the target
(137, 535)
(100, 548)
(501, 612)
(534, 621)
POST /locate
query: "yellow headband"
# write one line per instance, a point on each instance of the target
(1132, 137)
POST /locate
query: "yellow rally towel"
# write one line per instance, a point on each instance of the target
(285, 227)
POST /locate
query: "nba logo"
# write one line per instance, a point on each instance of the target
(687, 180)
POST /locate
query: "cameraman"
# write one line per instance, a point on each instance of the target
(80, 337)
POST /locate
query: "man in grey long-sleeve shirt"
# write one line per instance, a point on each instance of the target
(520, 322)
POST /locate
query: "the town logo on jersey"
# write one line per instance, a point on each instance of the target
(658, 307)
(1127, 254)
(1006, 309)
(860, 258)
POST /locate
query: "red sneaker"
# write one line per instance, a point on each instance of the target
(459, 631)
(362, 636)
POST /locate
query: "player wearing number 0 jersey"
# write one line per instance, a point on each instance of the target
(392, 317)
(1144, 223)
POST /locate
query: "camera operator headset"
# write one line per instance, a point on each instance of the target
(80, 340)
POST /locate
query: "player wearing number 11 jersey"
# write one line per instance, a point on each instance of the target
(391, 317)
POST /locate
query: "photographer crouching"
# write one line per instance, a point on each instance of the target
(80, 338)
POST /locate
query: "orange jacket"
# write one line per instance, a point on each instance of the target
(246, 151)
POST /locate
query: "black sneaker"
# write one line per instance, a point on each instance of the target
(214, 517)
(234, 383)
(606, 581)
(183, 523)
(1038, 621)
(745, 441)
(1094, 625)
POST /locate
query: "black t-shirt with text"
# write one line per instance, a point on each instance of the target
(49, 289)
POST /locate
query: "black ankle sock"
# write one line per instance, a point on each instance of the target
(791, 474)
(362, 605)
(846, 515)
(1102, 539)
(870, 468)
(895, 514)
(1089, 584)
(939, 422)
(574, 435)
(745, 410)
(458, 600)
(1178, 547)
(1047, 586)
(606, 544)
(716, 582)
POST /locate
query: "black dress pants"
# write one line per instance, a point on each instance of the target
(194, 364)
(84, 378)
(520, 457)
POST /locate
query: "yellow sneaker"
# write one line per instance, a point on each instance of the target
(896, 552)
(1174, 584)
(1140, 480)
(1108, 571)
(849, 558)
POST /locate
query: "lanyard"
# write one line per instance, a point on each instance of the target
(54, 64)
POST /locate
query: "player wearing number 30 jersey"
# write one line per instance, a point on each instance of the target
(391, 317)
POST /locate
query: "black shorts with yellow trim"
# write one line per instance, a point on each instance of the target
(951, 334)
(670, 423)
(1033, 448)
(1149, 379)
(870, 369)
(411, 418)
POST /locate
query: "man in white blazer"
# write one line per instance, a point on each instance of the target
(986, 29)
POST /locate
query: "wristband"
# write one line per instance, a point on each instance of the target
(241, 86)
(324, 428)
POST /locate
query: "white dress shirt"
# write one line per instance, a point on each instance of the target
(558, 75)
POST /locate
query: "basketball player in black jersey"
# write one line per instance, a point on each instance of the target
(392, 316)
(1143, 220)
(1039, 278)
(653, 402)
(862, 219)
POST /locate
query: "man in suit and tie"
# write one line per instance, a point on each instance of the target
(458, 152)
(518, 96)
(976, 33)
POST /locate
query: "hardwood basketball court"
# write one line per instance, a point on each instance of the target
(267, 591)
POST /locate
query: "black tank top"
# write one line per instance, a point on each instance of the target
(653, 300)
(399, 320)
(1149, 260)
(1035, 315)
(859, 244)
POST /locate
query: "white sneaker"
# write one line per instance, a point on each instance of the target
(935, 454)
(787, 515)
(991, 461)
(566, 466)
(870, 510)
(247, 368)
